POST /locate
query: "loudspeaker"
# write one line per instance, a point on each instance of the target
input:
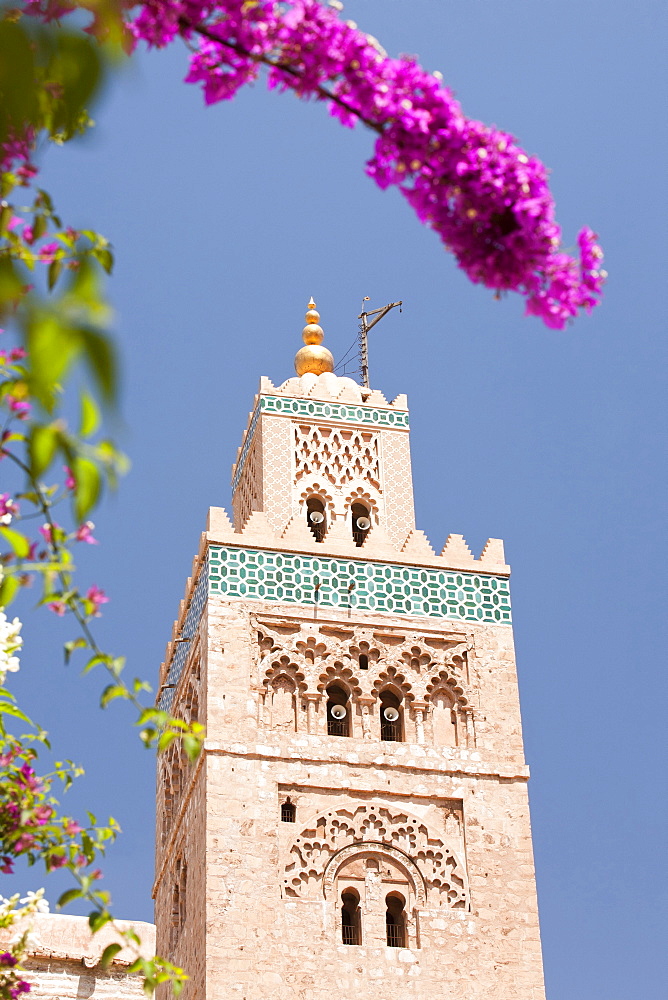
(338, 712)
(316, 517)
(363, 524)
(391, 713)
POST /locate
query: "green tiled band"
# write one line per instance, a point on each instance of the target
(349, 413)
(317, 409)
(364, 586)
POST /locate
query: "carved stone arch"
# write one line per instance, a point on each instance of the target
(345, 854)
(285, 665)
(340, 673)
(359, 492)
(312, 651)
(446, 710)
(363, 648)
(416, 659)
(315, 488)
(391, 677)
(365, 826)
(445, 679)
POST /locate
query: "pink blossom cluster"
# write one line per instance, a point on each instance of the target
(487, 199)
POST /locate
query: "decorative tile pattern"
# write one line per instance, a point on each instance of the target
(366, 586)
(314, 409)
(190, 626)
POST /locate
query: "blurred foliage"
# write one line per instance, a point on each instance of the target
(53, 304)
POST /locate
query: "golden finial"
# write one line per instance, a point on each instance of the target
(313, 358)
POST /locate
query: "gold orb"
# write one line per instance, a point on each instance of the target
(315, 359)
(312, 316)
(312, 334)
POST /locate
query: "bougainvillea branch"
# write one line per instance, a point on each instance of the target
(487, 199)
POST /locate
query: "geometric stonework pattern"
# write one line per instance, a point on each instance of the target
(326, 581)
(339, 454)
(436, 876)
(366, 416)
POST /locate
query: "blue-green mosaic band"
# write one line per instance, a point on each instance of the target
(349, 413)
(364, 586)
(316, 409)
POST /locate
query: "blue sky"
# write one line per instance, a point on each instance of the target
(225, 220)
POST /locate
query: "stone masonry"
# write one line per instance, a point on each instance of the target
(358, 822)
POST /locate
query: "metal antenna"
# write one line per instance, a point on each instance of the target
(364, 328)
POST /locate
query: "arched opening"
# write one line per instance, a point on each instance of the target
(338, 713)
(361, 522)
(391, 717)
(351, 917)
(395, 920)
(288, 811)
(364, 661)
(316, 518)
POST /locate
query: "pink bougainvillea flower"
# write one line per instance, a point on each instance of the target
(7, 508)
(17, 353)
(48, 252)
(58, 607)
(46, 532)
(20, 407)
(70, 481)
(56, 861)
(84, 533)
(72, 828)
(97, 597)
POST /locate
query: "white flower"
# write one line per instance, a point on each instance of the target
(36, 901)
(10, 643)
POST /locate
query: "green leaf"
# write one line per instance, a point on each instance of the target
(19, 543)
(97, 920)
(101, 358)
(53, 345)
(55, 270)
(42, 448)
(72, 645)
(109, 954)
(105, 257)
(89, 484)
(11, 286)
(90, 416)
(6, 708)
(111, 692)
(68, 897)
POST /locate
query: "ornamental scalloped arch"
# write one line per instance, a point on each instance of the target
(374, 847)
(356, 824)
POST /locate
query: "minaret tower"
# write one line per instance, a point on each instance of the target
(357, 823)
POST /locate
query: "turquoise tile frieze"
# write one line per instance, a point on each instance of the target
(330, 582)
(317, 409)
(350, 413)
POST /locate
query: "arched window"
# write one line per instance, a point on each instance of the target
(338, 711)
(361, 522)
(351, 917)
(288, 811)
(391, 717)
(316, 518)
(395, 920)
(363, 661)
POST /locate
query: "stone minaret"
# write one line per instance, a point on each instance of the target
(358, 822)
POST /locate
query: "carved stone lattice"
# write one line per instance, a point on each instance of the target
(338, 455)
(318, 853)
